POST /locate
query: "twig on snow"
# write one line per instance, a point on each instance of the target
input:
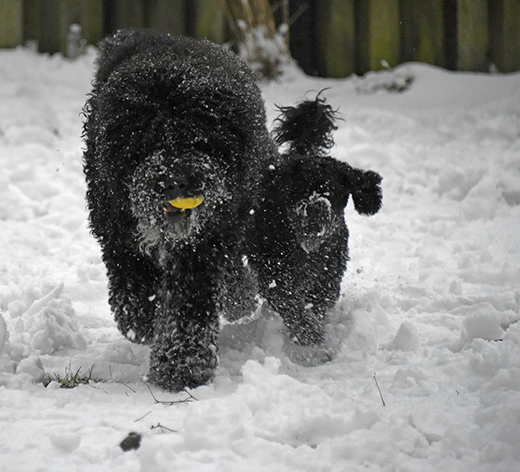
(379, 389)
(163, 428)
(142, 417)
(118, 381)
(173, 402)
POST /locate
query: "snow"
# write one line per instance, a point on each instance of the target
(427, 321)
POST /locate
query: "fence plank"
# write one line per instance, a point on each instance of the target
(168, 16)
(208, 20)
(50, 37)
(11, 23)
(335, 38)
(377, 34)
(505, 34)
(422, 31)
(127, 14)
(31, 19)
(472, 35)
(91, 20)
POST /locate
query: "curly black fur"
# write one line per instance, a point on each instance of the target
(307, 127)
(173, 117)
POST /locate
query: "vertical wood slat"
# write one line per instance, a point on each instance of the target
(472, 35)
(31, 19)
(128, 14)
(335, 38)
(208, 20)
(166, 15)
(422, 31)
(378, 35)
(91, 19)
(304, 43)
(11, 23)
(50, 38)
(504, 38)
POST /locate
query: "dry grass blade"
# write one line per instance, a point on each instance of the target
(72, 379)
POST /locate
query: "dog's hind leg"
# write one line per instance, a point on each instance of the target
(304, 288)
(300, 285)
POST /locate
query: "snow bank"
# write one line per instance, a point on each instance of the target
(427, 321)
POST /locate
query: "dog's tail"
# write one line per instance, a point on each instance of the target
(307, 127)
(365, 190)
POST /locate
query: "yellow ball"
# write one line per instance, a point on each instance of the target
(186, 203)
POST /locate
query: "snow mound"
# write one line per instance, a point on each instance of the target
(44, 321)
(389, 80)
(406, 339)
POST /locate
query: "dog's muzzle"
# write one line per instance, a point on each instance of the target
(167, 197)
(180, 194)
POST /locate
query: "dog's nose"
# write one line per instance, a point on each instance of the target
(175, 188)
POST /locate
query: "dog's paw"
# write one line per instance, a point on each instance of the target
(308, 356)
(366, 191)
(177, 377)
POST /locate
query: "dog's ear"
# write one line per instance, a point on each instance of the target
(120, 46)
(365, 190)
(112, 51)
(307, 127)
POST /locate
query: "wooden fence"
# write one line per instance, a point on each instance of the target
(332, 38)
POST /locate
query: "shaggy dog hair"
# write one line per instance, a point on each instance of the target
(175, 120)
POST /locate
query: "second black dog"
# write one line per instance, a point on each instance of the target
(300, 247)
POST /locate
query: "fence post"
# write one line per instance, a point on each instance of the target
(127, 14)
(472, 35)
(505, 34)
(50, 37)
(422, 31)
(206, 19)
(335, 38)
(11, 23)
(377, 34)
(166, 15)
(91, 20)
(31, 19)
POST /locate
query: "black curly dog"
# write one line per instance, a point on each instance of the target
(197, 212)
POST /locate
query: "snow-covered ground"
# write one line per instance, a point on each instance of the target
(427, 321)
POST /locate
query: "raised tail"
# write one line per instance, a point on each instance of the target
(307, 127)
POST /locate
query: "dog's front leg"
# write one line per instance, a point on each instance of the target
(184, 352)
(132, 282)
(186, 328)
